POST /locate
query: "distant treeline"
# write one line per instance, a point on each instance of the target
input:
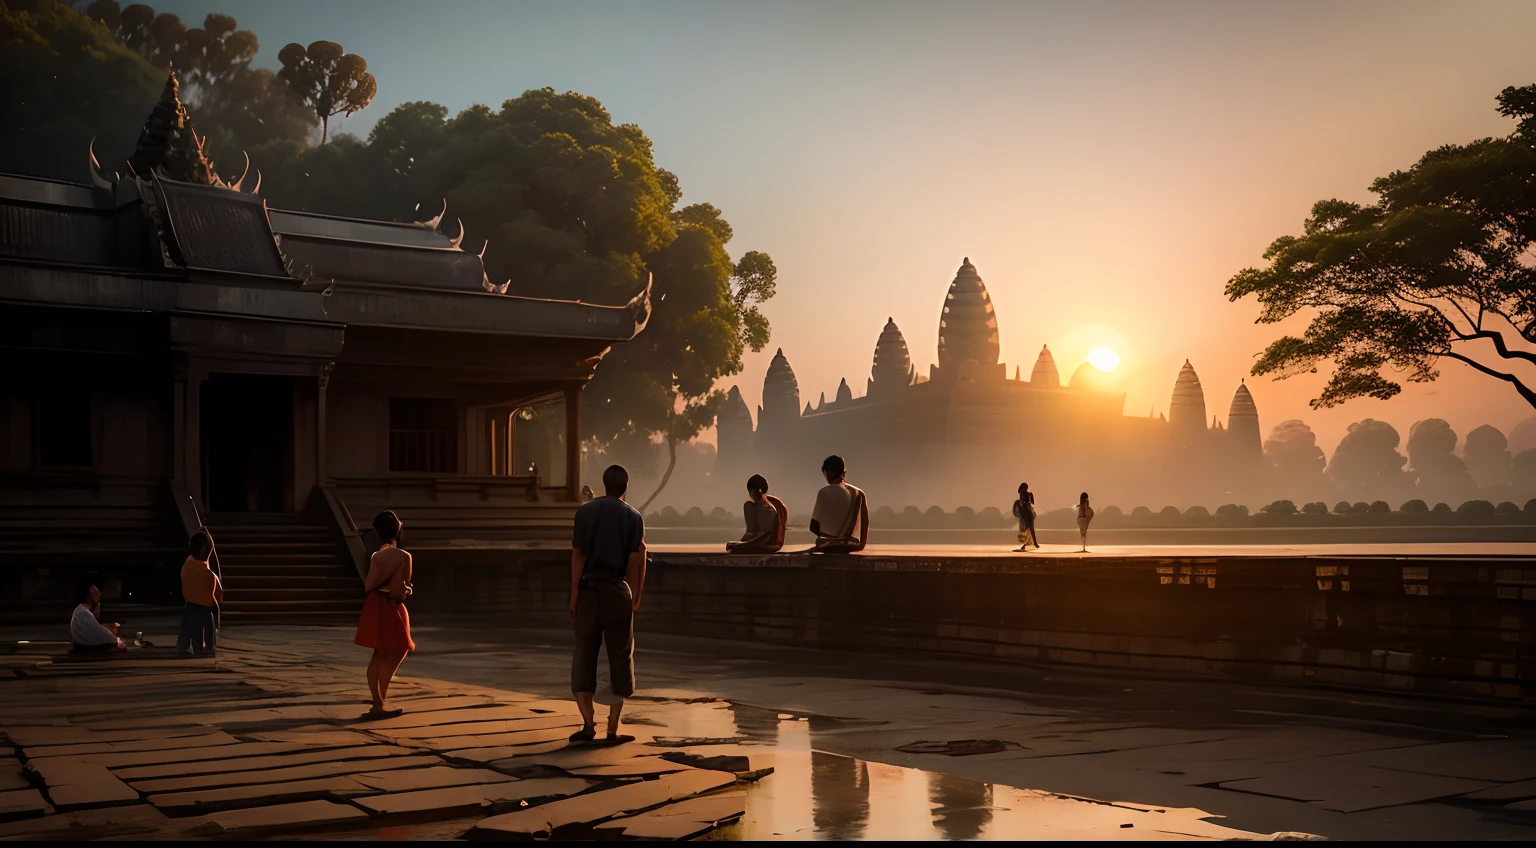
(1413, 513)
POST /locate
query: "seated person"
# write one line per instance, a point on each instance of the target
(203, 592)
(766, 518)
(840, 518)
(86, 632)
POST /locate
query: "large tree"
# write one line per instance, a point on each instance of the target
(1440, 266)
(328, 78)
(569, 205)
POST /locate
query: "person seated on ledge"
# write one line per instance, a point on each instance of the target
(766, 519)
(840, 518)
(86, 632)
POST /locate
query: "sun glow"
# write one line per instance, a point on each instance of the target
(1103, 358)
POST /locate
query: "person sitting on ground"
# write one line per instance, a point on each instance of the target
(202, 592)
(385, 626)
(86, 631)
(1084, 515)
(607, 580)
(765, 516)
(840, 518)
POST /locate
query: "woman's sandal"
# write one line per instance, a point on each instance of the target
(376, 715)
(586, 734)
(617, 739)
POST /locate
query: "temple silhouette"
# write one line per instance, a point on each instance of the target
(967, 434)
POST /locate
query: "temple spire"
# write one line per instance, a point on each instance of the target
(168, 145)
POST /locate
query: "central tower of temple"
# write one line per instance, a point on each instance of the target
(968, 330)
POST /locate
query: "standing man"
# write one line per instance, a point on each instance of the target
(607, 578)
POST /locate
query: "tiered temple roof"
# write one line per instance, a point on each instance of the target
(781, 392)
(1186, 412)
(1045, 373)
(1243, 423)
(968, 326)
(893, 362)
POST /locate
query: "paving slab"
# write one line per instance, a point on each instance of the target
(456, 798)
(282, 775)
(435, 777)
(296, 815)
(72, 783)
(533, 721)
(452, 716)
(1498, 760)
(125, 760)
(495, 755)
(280, 761)
(316, 735)
(206, 800)
(683, 820)
(11, 776)
(598, 806)
(633, 767)
(1349, 788)
(511, 740)
(23, 802)
(86, 749)
(1517, 791)
(108, 822)
(67, 735)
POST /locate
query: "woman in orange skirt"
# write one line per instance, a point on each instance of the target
(385, 626)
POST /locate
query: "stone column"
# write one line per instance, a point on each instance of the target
(573, 442)
(322, 470)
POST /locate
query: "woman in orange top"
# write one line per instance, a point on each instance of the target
(385, 626)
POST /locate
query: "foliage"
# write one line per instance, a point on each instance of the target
(1170, 512)
(1477, 508)
(1414, 505)
(1430, 458)
(1367, 461)
(332, 81)
(1506, 508)
(1198, 512)
(1379, 508)
(1440, 266)
(1314, 508)
(1342, 508)
(1487, 456)
(1525, 465)
(202, 57)
(1231, 511)
(1441, 507)
(67, 82)
(1281, 507)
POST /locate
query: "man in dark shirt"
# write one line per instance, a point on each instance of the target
(607, 578)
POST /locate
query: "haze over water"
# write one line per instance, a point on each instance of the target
(1106, 166)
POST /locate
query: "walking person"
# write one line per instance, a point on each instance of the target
(607, 579)
(385, 626)
(1084, 516)
(1024, 511)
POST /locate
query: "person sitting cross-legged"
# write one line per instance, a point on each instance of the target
(86, 632)
(840, 518)
(765, 516)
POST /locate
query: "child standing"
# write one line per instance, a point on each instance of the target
(203, 592)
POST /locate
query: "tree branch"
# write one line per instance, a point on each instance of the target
(1525, 391)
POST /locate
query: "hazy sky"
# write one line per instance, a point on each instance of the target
(1106, 166)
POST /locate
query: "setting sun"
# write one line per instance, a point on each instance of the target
(1103, 358)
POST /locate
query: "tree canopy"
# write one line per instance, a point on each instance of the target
(1441, 266)
(332, 81)
(568, 204)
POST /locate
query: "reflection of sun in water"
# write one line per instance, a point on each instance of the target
(1103, 358)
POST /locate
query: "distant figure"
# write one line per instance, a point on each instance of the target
(201, 592)
(586, 494)
(385, 626)
(1024, 511)
(86, 632)
(840, 518)
(607, 579)
(766, 517)
(1084, 515)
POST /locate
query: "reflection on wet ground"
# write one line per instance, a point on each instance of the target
(814, 795)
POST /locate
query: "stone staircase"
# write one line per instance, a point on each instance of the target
(283, 567)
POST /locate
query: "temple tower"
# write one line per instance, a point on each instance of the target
(844, 394)
(1243, 426)
(968, 329)
(1186, 412)
(733, 426)
(168, 145)
(1045, 373)
(781, 395)
(892, 370)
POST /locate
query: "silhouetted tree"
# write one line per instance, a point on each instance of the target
(332, 81)
(1315, 508)
(1280, 508)
(1437, 267)
(1431, 461)
(1480, 509)
(1367, 462)
(1298, 462)
(1414, 505)
(1525, 471)
(1488, 457)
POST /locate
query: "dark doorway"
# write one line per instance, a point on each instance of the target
(248, 443)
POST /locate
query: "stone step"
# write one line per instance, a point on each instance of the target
(240, 596)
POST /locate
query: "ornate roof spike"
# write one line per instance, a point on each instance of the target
(639, 306)
(454, 242)
(431, 223)
(237, 183)
(97, 178)
(256, 189)
(484, 248)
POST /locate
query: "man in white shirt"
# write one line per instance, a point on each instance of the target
(840, 518)
(86, 632)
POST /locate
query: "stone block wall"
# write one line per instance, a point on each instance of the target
(1448, 626)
